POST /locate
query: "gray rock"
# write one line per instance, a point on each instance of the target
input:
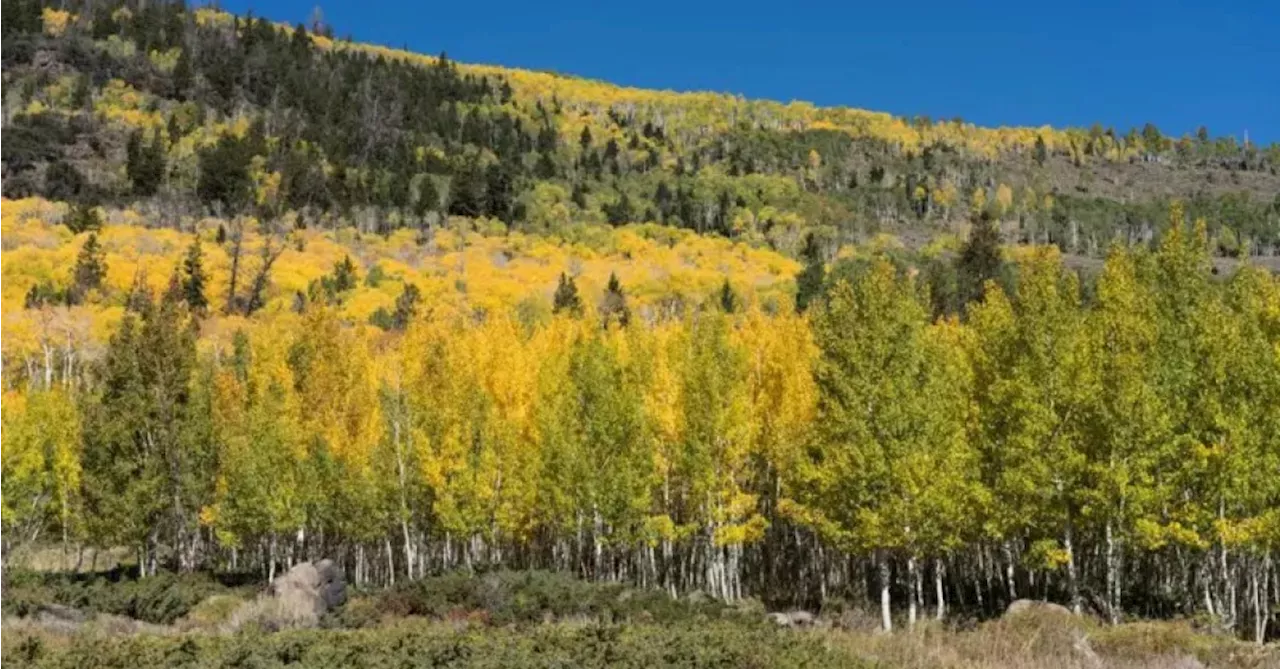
(792, 618)
(1021, 606)
(310, 588)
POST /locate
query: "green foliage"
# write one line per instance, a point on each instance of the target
(145, 164)
(980, 260)
(566, 297)
(82, 218)
(419, 645)
(335, 285)
(811, 280)
(729, 301)
(224, 173)
(524, 597)
(613, 307)
(160, 599)
(90, 269)
(146, 446)
(193, 278)
(406, 309)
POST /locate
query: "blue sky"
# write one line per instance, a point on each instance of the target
(1177, 64)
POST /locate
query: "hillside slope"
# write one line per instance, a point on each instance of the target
(192, 111)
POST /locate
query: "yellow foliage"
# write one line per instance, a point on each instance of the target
(55, 20)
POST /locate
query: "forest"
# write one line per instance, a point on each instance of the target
(273, 296)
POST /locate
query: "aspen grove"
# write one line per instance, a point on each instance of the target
(273, 296)
(1116, 449)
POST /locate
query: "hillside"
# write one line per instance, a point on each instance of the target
(198, 111)
(270, 296)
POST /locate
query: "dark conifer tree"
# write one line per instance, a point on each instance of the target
(566, 297)
(613, 308)
(193, 278)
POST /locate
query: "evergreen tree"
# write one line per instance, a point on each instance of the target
(428, 197)
(145, 465)
(62, 181)
(224, 173)
(809, 282)
(406, 306)
(613, 308)
(566, 297)
(139, 298)
(620, 212)
(193, 279)
(182, 75)
(82, 217)
(980, 260)
(145, 163)
(90, 269)
(1041, 151)
(343, 275)
(467, 192)
(499, 193)
(728, 298)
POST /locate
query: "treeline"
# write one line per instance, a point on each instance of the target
(1116, 451)
(208, 111)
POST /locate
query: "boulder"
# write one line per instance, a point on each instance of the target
(310, 590)
(1060, 623)
(792, 618)
(1021, 606)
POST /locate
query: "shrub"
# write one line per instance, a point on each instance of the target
(508, 597)
(424, 644)
(160, 599)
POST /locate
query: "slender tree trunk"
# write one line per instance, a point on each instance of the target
(1113, 577)
(886, 618)
(1008, 571)
(912, 585)
(1073, 585)
(937, 589)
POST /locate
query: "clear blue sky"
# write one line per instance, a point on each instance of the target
(1001, 62)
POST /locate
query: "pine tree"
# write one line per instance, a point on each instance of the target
(980, 260)
(620, 212)
(728, 298)
(613, 309)
(809, 282)
(467, 192)
(90, 269)
(428, 197)
(566, 297)
(145, 466)
(182, 75)
(82, 217)
(406, 306)
(153, 164)
(193, 279)
(1041, 151)
(344, 275)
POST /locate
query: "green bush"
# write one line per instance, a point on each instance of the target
(422, 644)
(505, 597)
(160, 599)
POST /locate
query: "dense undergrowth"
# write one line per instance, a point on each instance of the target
(420, 645)
(162, 599)
(543, 619)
